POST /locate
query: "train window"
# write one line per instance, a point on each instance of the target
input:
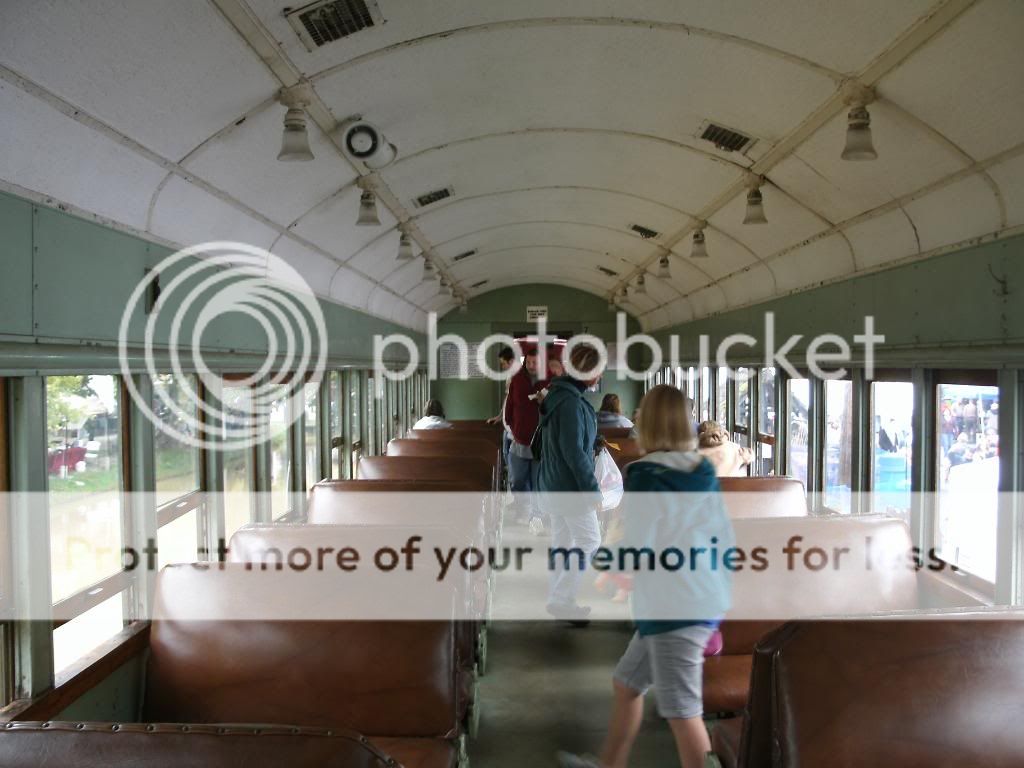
(741, 405)
(83, 465)
(84, 476)
(337, 439)
(372, 426)
(355, 416)
(238, 462)
(73, 639)
(280, 457)
(704, 408)
(892, 403)
(967, 476)
(177, 463)
(6, 558)
(798, 399)
(312, 434)
(838, 441)
(722, 397)
(766, 422)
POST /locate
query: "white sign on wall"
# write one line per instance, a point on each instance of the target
(449, 360)
(535, 313)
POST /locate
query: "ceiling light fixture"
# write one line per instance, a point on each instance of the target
(755, 203)
(405, 252)
(664, 267)
(428, 272)
(624, 294)
(858, 124)
(641, 285)
(699, 250)
(368, 210)
(295, 141)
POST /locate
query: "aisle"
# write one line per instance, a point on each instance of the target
(548, 685)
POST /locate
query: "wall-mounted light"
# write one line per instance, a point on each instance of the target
(295, 141)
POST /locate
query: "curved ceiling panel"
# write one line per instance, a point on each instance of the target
(183, 213)
(725, 254)
(593, 206)
(502, 80)
(627, 163)
(751, 285)
(815, 263)
(882, 239)
(43, 150)
(1010, 178)
(332, 224)
(954, 213)
(170, 75)
(788, 222)
(243, 162)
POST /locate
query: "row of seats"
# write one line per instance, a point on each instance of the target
(224, 687)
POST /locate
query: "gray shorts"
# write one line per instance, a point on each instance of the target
(673, 663)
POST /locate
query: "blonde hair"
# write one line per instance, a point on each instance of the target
(710, 434)
(664, 423)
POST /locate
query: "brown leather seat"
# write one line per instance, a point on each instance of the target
(931, 691)
(379, 502)
(470, 470)
(614, 432)
(476, 424)
(767, 598)
(490, 435)
(624, 450)
(173, 745)
(471, 446)
(764, 496)
(392, 679)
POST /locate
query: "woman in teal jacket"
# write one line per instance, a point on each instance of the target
(569, 491)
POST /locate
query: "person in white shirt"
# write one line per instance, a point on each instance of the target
(610, 413)
(728, 458)
(433, 417)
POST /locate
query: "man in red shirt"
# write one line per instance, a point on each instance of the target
(521, 415)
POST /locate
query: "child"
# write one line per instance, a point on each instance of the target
(673, 502)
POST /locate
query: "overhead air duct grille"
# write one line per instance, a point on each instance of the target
(609, 272)
(725, 139)
(645, 232)
(477, 285)
(325, 21)
(432, 197)
(465, 255)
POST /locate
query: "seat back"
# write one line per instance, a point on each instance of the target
(612, 433)
(625, 450)
(476, 424)
(382, 678)
(773, 594)
(471, 446)
(472, 471)
(172, 745)
(763, 496)
(490, 435)
(382, 502)
(934, 691)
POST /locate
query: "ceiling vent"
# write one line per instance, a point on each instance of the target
(609, 272)
(725, 139)
(464, 255)
(644, 232)
(325, 21)
(433, 197)
(477, 285)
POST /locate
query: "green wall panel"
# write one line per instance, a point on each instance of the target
(966, 298)
(504, 311)
(15, 266)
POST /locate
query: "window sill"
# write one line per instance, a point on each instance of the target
(72, 683)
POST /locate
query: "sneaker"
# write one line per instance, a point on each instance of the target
(569, 760)
(536, 526)
(576, 615)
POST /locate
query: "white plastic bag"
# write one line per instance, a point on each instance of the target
(609, 479)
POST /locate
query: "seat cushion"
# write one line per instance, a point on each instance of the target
(419, 753)
(726, 683)
(725, 740)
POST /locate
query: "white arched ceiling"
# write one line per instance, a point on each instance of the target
(557, 126)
